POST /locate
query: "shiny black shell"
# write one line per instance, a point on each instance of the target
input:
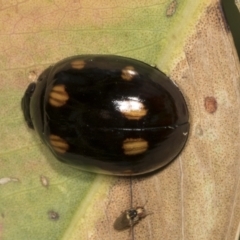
(108, 114)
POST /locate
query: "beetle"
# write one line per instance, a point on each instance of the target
(108, 114)
(129, 218)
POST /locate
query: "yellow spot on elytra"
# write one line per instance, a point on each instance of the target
(132, 108)
(58, 96)
(128, 73)
(58, 143)
(134, 146)
(78, 64)
(135, 114)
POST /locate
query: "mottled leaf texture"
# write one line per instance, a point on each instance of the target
(197, 197)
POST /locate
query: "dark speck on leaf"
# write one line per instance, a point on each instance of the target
(53, 215)
(210, 104)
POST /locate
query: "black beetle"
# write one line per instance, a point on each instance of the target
(108, 114)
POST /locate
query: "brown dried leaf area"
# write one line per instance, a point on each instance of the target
(198, 195)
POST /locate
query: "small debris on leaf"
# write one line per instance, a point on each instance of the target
(6, 180)
(53, 215)
(171, 9)
(44, 181)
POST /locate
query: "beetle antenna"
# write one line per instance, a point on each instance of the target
(131, 193)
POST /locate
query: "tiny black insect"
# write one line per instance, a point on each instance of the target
(108, 114)
(129, 218)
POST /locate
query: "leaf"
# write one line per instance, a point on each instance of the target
(195, 197)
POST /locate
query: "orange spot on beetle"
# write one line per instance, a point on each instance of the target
(58, 143)
(58, 96)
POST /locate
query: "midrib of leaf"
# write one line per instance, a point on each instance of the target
(97, 192)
